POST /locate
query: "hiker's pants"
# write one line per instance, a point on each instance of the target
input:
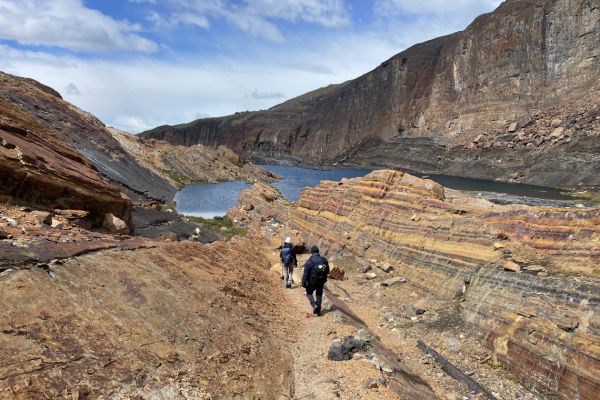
(309, 293)
(288, 274)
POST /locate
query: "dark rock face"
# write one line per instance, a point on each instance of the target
(529, 64)
(36, 115)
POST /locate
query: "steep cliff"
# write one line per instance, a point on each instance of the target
(524, 278)
(529, 64)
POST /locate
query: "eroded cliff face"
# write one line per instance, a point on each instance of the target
(73, 143)
(181, 165)
(529, 63)
(525, 278)
(38, 165)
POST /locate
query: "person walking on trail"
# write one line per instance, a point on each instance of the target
(315, 274)
(288, 258)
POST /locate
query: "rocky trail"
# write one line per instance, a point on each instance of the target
(392, 366)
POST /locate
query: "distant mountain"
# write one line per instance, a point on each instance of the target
(515, 96)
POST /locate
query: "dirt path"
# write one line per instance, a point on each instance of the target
(316, 377)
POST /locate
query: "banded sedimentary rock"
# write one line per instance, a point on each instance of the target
(513, 96)
(528, 277)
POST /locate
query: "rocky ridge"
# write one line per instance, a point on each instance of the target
(182, 165)
(524, 279)
(525, 66)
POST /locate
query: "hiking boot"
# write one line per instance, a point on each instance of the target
(288, 286)
(317, 311)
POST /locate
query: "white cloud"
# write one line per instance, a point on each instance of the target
(433, 7)
(142, 92)
(70, 25)
(256, 17)
(266, 95)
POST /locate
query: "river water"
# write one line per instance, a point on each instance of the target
(208, 200)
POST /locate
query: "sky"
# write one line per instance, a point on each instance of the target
(137, 64)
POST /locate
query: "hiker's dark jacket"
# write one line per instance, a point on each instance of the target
(311, 263)
(289, 245)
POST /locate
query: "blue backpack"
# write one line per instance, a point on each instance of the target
(286, 255)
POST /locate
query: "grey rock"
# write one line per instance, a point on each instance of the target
(387, 268)
(393, 281)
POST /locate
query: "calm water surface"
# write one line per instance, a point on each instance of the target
(208, 200)
(214, 199)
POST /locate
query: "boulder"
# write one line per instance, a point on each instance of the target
(393, 281)
(345, 350)
(370, 275)
(114, 224)
(513, 127)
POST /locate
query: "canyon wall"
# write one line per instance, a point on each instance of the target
(526, 278)
(513, 96)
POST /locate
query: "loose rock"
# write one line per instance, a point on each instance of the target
(393, 281)
(114, 224)
(512, 266)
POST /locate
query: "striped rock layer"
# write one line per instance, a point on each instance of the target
(543, 326)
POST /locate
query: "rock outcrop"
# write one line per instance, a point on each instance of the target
(38, 165)
(181, 165)
(53, 148)
(513, 96)
(540, 319)
(180, 320)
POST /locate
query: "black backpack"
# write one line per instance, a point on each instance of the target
(286, 255)
(319, 274)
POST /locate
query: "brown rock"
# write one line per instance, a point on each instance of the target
(336, 272)
(512, 266)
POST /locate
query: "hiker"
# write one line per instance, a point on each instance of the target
(288, 258)
(315, 274)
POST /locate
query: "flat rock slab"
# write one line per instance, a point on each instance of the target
(46, 250)
(393, 281)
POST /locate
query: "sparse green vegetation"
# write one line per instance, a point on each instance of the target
(222, 226)
(588, 195)
(179, 179)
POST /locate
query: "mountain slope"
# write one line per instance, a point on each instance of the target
(182, 165)
(46, 115)
(530, 63)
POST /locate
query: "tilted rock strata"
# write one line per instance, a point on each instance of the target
(39, 115)
(182, 165)
(180, 320)
(529, 64)
(543, 325)
(37, 166)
